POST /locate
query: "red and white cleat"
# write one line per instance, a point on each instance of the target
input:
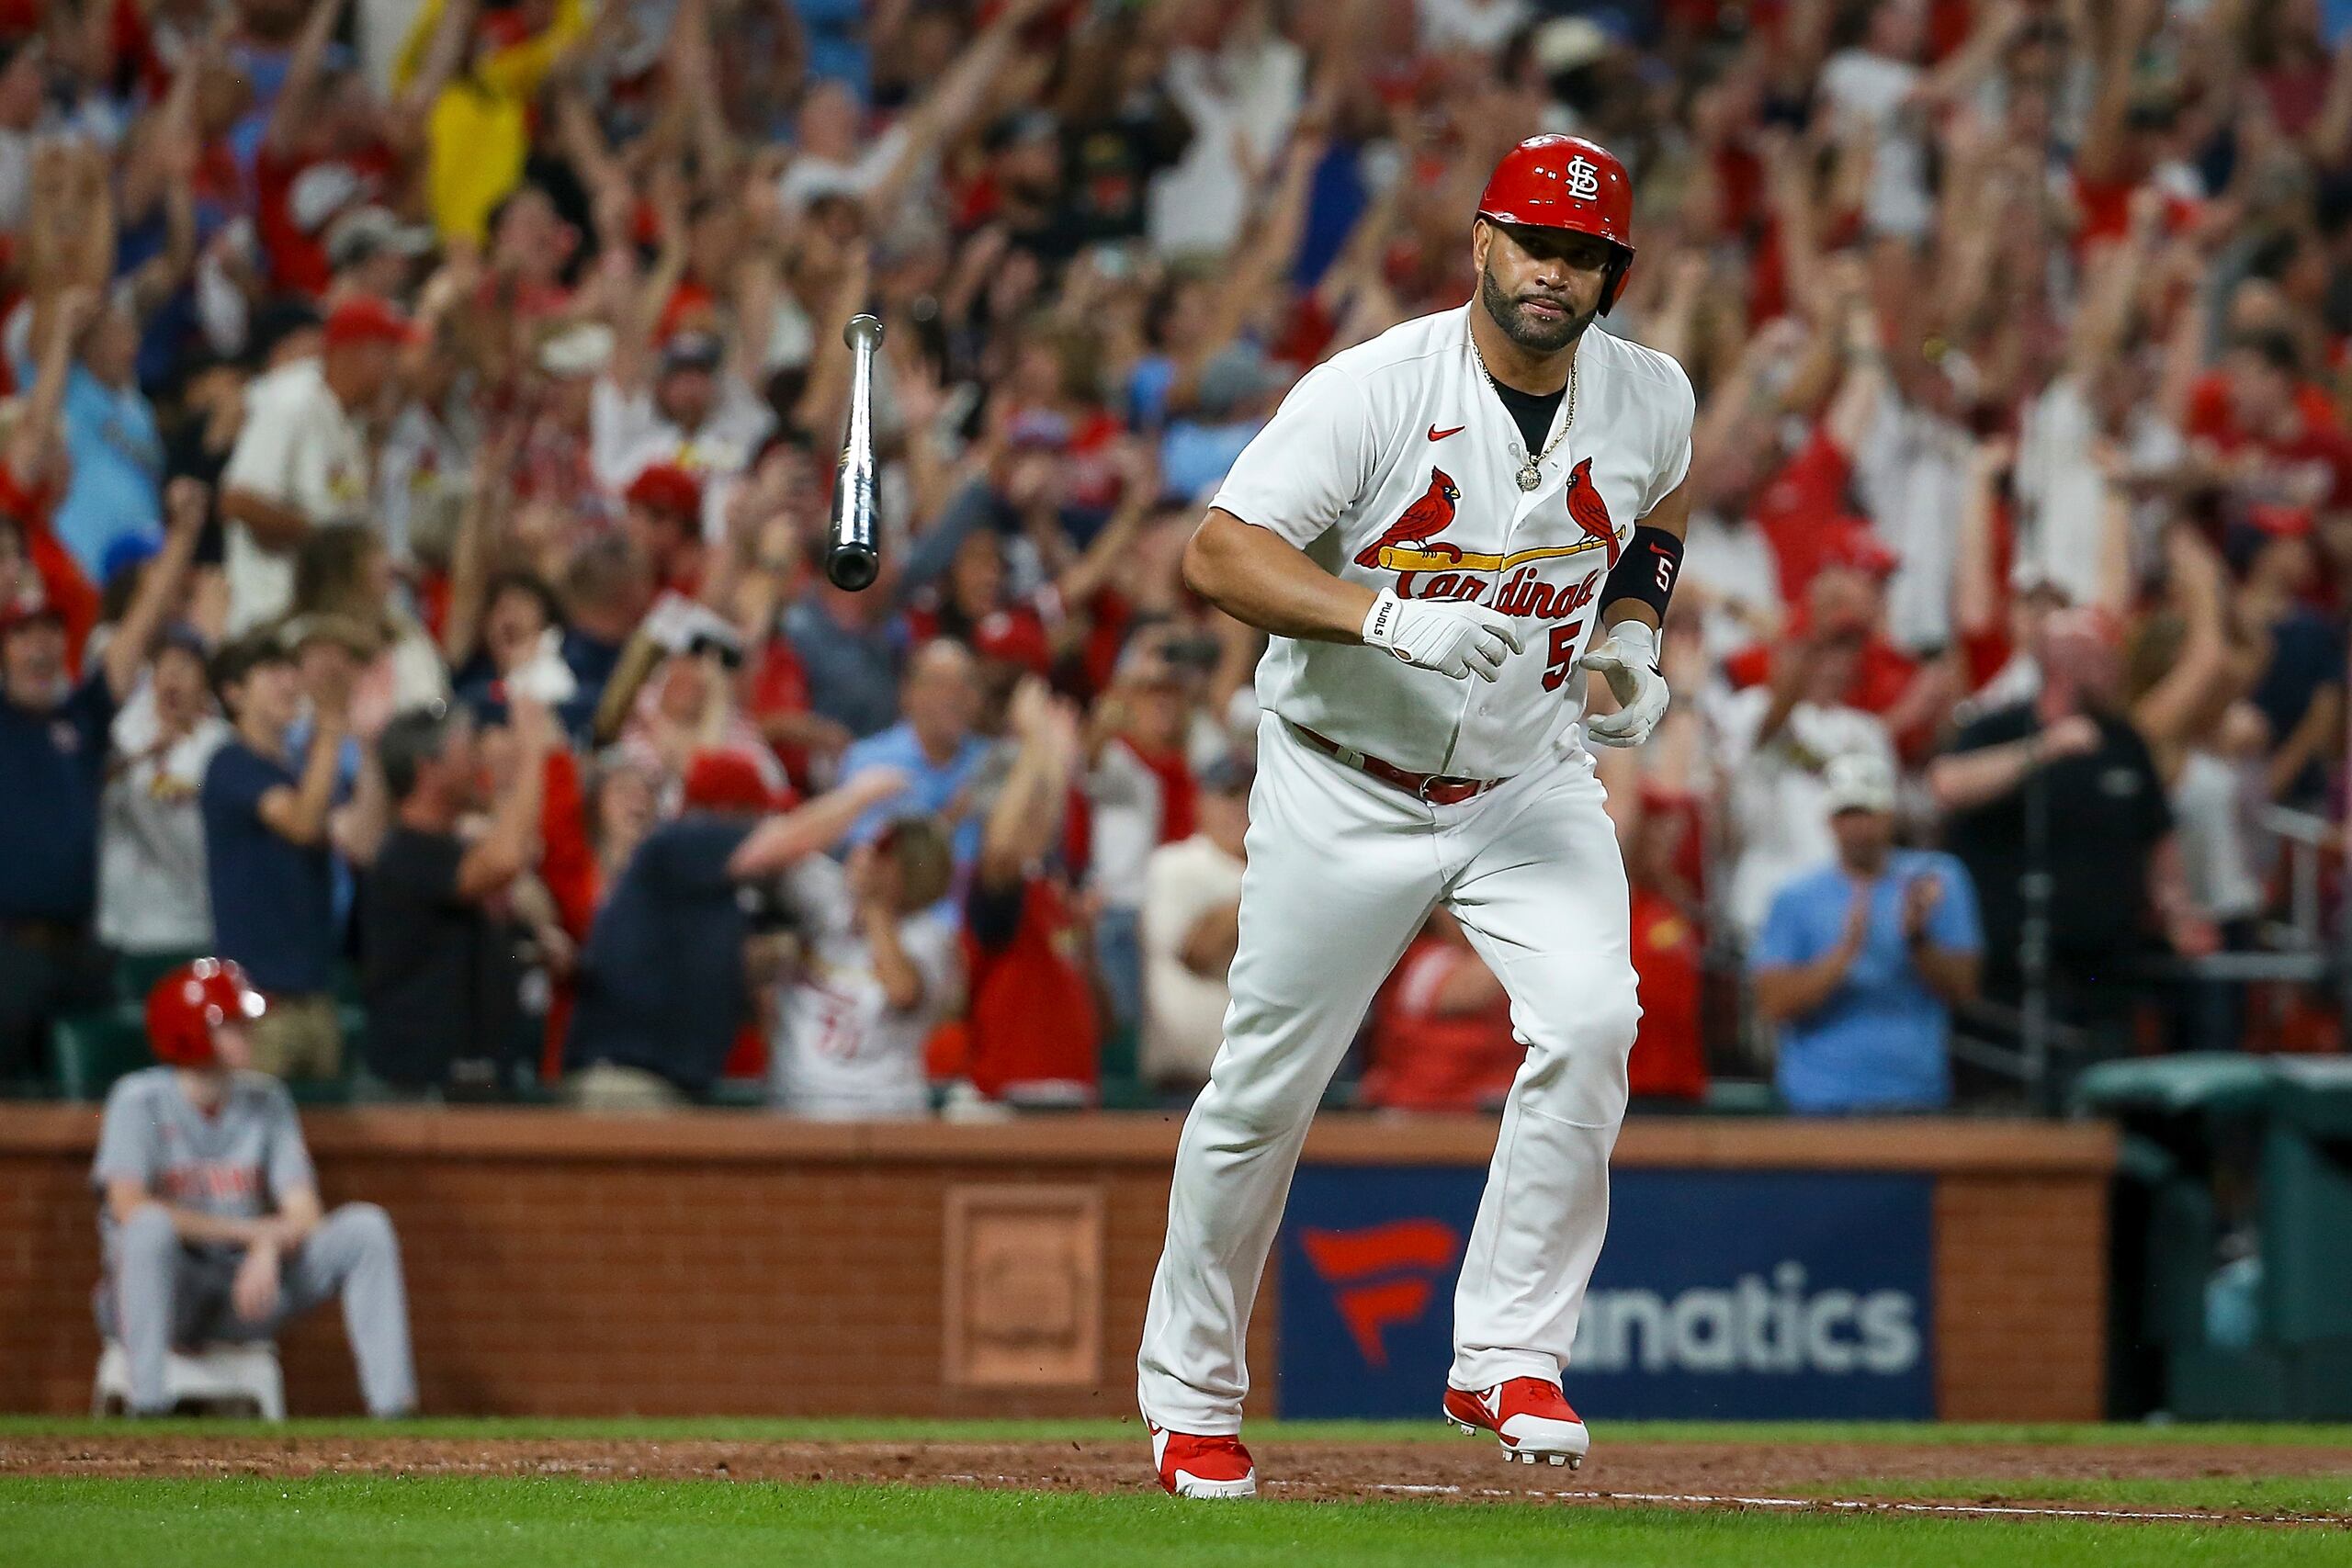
(1191, 1466)
(1529, 1417)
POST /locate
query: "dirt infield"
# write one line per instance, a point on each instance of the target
(1725, 1476)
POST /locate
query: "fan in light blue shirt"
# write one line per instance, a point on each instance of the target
(116, 489)
(933, 745)
(1859, 961)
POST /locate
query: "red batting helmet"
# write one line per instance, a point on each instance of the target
(187, 1003)
(1566, 182)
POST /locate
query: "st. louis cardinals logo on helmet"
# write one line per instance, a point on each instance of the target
(1583, 179)
(1422, 522)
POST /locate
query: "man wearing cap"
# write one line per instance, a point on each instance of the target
(1775, 738)
(1861, 961)
(1192, 924)
(54, 747)
(664, 523)
(553, 464)
(208, 1210)
(697, 413)
(302, 459)
(663, 982)
(373, 253)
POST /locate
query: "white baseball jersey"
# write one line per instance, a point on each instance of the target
(1394, 464)
(839, 1050)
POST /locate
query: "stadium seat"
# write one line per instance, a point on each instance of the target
(2306, 1191)
(87, 1051)
(213, 1375)
(740, 1094)
(135, 974)
(1736, 1097)
(1119, 1071)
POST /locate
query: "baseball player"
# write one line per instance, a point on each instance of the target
(1435, 527)
(209, 1213)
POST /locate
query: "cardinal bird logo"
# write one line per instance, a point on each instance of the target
(1588, 511)
(1423, 521)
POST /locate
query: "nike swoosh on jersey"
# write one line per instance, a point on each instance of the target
(1437, 434)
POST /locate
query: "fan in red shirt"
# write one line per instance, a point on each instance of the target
(1669, 1061)
(2264, 437)
(1033, 1027)
(331, 145)
(1845, 598)
(1440, 1038)
(665, 522)
(37, 567)
(1802, 510)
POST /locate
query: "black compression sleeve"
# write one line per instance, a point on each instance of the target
(1646, 572)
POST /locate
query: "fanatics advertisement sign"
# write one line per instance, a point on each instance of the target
(1733, 1295)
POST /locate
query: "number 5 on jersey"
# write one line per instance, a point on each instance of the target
(1561, 656)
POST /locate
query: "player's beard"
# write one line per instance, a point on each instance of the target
(1531, 333)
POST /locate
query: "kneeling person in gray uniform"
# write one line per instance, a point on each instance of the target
(210, 1212)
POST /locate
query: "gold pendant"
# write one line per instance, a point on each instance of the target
(1530, 477)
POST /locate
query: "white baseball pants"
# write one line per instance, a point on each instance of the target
(1342, 871)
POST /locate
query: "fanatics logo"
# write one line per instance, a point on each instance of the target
(1584, 180)
(1381, 1276)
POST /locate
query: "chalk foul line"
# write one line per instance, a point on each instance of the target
(1798, 1504)
(1851, 1504)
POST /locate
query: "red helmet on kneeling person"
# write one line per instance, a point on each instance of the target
(190, 1002)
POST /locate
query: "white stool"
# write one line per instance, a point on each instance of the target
(213, 1373)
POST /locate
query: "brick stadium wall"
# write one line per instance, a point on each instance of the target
(731, 1264)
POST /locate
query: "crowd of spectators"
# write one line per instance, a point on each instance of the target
(419, 442)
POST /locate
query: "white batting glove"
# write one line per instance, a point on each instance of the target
(1628, 661)
(1446, 635)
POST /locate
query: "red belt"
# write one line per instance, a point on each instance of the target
(1432, 787)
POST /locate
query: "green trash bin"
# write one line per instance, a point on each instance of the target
(2200, 1084)
(2307, 1205)
(2285, 1122)
(2178, 1115)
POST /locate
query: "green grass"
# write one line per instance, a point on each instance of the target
(445, 1522)
(868, 1430)
(2260, 1495)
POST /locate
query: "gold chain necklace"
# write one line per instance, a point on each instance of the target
(1531, 473)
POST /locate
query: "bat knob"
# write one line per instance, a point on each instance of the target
(863, 331)
(853, 568)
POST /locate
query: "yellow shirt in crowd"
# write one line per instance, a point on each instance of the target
(478, 132)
